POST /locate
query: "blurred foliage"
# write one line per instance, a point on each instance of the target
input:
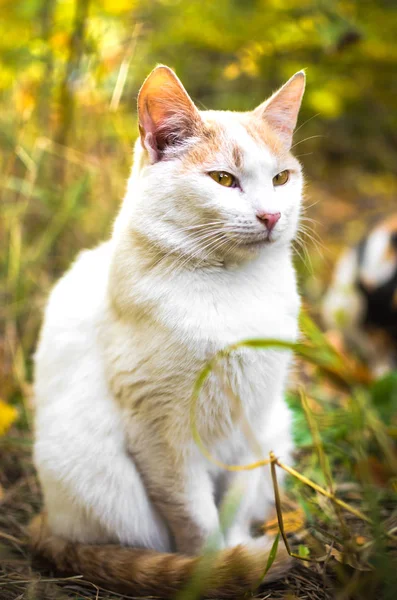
(219, 49)
(8, 414)
(70, 71)
(344, 428)
(346, 440)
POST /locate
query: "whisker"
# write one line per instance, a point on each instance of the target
(311, 137)
(181, 246)
(311, 220)
(216, 246)
(295, 249)
(313, 223)
(309, 231)
(194, 256)
(185, 258)
(304, 256)
(203, 225)
(306, 206)
(305, 122)
(305, 154)
(316, 244)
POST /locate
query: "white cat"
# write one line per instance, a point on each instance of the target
(200, 257)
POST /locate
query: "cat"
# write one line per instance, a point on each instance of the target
(200, 257)
(361, 301)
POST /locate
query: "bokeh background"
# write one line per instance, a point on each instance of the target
(70, 71)
(69, 75)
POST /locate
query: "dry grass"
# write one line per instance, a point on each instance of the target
(22, 577)
(344, 433)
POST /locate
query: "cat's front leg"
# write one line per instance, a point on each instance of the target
(182, 490)
(251, 492)
(244, 493)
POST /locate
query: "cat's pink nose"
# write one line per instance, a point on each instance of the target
(268, 219)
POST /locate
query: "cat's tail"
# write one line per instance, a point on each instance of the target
(226, 574)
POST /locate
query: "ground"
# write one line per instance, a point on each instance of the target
(24, 577)
(345, 431)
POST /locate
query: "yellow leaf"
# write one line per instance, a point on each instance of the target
(232, 71)
(326, 102)
(294, 520)
(59, 40)
(116, 7)
(361, 540)
(8, 414)
(346, 559)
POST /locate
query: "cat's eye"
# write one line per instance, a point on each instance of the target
(223, 178)
(281, 178)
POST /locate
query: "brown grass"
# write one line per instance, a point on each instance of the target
(23, 577)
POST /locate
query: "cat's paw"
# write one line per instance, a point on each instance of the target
(262, 542)
(236, 536)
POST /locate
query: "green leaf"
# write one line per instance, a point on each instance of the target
(384, 396)
(303, 551)
(272, 554)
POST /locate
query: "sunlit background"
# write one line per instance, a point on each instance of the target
(69, 75)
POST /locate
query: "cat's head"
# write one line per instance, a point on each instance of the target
(216, 185)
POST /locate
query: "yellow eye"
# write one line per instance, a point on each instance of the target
(281, 178)
(223, 178)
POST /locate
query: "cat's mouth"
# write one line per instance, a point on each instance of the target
(257, 242)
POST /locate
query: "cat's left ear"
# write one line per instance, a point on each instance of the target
(167, 115)
(281, 110)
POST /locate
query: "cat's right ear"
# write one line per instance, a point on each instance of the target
(167, 115)
(281, 110)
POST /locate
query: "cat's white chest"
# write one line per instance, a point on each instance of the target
(194, 318)
(229, 309)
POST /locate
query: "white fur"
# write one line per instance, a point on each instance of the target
(118, 329)
(376, 268)
(343, 305)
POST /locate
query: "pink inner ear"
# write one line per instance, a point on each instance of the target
(167, 116)
(282, 109)
(172, 129)
(282, 118)
(151, 132)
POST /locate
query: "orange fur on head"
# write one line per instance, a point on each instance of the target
(168, 117)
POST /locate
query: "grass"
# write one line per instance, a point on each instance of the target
(57, 199)
(340, 517)
(345, 428)
(22, 578)
(367, 440)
